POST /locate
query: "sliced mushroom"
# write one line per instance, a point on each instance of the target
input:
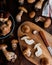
(14, 44)
(39, 4)
(27, 52)
(21, 1)
(10, 56)
(28, 40)
(39, 50)
(32, 14)
(19, 15)
(31, 1)
(25, 29)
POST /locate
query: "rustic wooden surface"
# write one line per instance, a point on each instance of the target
(12, 7)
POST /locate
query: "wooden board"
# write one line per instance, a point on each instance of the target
(36, 37)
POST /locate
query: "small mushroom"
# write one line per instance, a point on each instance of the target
(39, 50)
(35, 32)
(47, 23)
(39, 4)
(21, 1)
(19, 15)
(32, 14)
(27, 52)
(31, 1)
(25, 29)
(41, 19)
(14, 43)
(28, 40)
(10, 56)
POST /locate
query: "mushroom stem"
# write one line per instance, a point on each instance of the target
(10, 56)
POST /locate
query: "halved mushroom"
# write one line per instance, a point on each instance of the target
(19, 15)
(10, 56)
(39, 50)
(14, 43)
(27, 52)
(28, 40)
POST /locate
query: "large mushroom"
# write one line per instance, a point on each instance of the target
(10, 56)
(19, 15)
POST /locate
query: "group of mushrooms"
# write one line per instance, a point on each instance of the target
(5, 24)
(32, 14)
(10, 56)
(27, 50)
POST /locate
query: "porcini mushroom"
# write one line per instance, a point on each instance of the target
(31, 1)
(21, 1)
(32, 14)
(25, 28)
(19, 15)
(27, 52)
(10, 56)
(14, 43)
(28, 40)
(39, 50)
(39, 4)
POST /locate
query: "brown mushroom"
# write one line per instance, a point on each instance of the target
(44, 61)
(25, 28)
(19, 15)
(39, 4)
(14, 43)
(32, 14)
(47, 23)
(31, 1)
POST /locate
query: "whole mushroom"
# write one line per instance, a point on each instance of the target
(14, 43)
(31, 1)
(10, 56)
(25, 28)
(19, 15)
(39, 4)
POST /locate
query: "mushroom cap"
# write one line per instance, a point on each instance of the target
(31, 1)
(25, 28)
(32, 14)
(23, 9)
(3, 46)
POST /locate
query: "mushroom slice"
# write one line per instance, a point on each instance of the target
(27, 52)
(39, 50)
(28, 40)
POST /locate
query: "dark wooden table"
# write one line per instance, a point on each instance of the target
(12, 7)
